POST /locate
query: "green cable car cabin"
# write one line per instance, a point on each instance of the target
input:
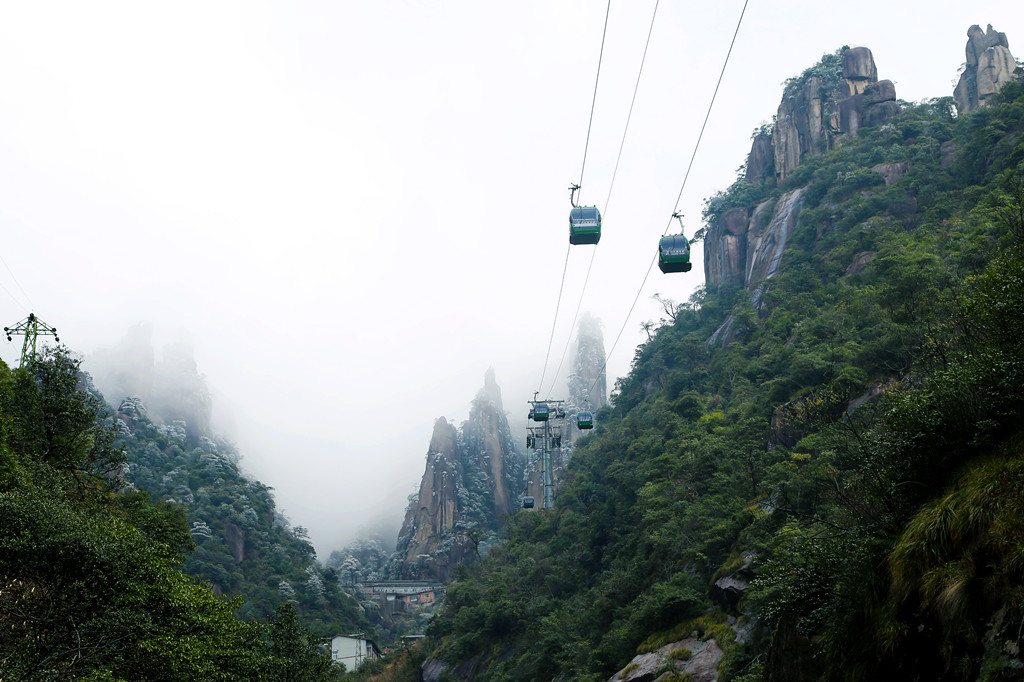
(527, 503)
(585, 419)
(540, 412)
(584, 225)
(674, 254)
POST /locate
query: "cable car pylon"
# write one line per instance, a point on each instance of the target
(544, 439)
(31, 328)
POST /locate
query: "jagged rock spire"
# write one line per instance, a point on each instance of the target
(822, 108)
(472, 480)
(990, 65)
(828, 103)
(491, 391)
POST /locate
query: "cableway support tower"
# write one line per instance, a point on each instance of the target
(544, 438)
(31, 328)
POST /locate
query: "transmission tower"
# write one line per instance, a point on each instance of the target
(545, 439)
(31, 328)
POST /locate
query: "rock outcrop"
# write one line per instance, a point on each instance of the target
(990, 65)
(473, 479)
(745, 247)
(828, 104)
(695, 657)
(588, 383)
(824, 107)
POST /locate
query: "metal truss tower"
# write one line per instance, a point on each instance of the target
(546, 438)
(31, 328)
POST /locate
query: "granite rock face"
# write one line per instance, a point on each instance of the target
(761, 162)
(990, 65)
(471, 481)
(727, 261)
(819, 113)
(746, 248)
(828, 104)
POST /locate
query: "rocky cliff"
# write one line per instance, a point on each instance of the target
(473, 478)
(820, 109)
(827, 104)
(588, 382)
(989, 66)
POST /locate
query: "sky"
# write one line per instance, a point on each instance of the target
(353, 209)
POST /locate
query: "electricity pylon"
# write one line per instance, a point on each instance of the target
(31, 328)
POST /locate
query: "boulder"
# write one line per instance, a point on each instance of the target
(995, 69)
(735, 220)
(891, 172)
(701, 665)
(978, 42)
(801, 127)
(859, 65)
(878, 114)
(728, 590)
(815, 117)
(882, 91)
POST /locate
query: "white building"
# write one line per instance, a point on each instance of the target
(352, 650)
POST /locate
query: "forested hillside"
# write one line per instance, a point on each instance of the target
(827, 487)
(243, 546)
(91, 585)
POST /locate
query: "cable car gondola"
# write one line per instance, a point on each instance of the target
(540, 412)
(527, 503)
(674, 251)
(585, 419)
(584, 221)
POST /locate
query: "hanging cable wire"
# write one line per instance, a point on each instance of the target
(14, 298)
(20, 288)
(608, 199)
(632, 102)
(559, 303)
(586, 147)
(593, 102)
(675, 208)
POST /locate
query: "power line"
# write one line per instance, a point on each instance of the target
(593, 102)
(608, 200)
(632, 102)
(557, 305)
(586, 147)
(680, 195)
(20, 288)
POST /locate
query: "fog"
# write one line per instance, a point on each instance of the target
(352, 209)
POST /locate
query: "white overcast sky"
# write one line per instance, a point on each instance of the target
(353, 209)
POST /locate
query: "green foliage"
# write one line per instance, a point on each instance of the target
(829, 438)
(235, 538)
(90, 580)
(295, 650)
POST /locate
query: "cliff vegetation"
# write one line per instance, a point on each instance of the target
(812, 472)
